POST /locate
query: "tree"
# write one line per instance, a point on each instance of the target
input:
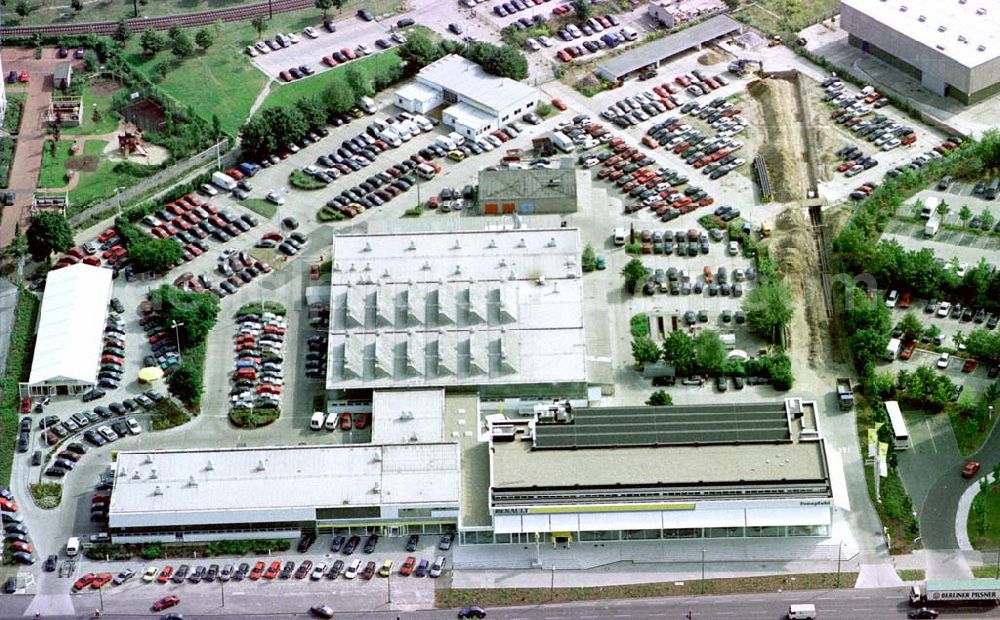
(988, 219)
(709, 352)
(779, 368)
(635, 275)
(48, 232)
(644, 350)
(911, 326)
(185, 382)
(197, 312)
(418, 52)
(22, 8)
(181, 45)
(965, 213)
(122, 32)
(77, 5)
(983, 345)
(204, 39)
(91, 61)
(506, 61)
(588, 261)
(360, 84)
(259, 23)
(216, 126)
(155, 255)
(869, 326)
(339, 99)
(175, 31)
(768, 309)
(582, 9)
(943, 209)
(151, 42)
(274, 127)
(312, 110)
(324, 5)
(678, 350)
(659, 398)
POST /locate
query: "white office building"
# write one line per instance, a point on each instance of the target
(477, 101)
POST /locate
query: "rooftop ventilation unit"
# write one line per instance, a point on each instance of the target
(192, 482)
(412, 246)
(980, 11)
(367, 248)
(940, 47)
(493, 244)
(457, 246)
(903, 8)
(521, 243)
(921, 19)
(941, 28)
(377, 488)
(981, 48)
(158, 490)
(152, 474)
(262, 465)
(962, 39)
(551, 243)
(209, 467)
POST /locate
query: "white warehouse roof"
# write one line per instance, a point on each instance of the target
(456, 308)
(269, 484)
(71, 325)
(474, 84)
(405, 416)
(968, 32)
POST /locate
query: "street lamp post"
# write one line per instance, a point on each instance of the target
(222, 588)
(388, 585)
(177, 337)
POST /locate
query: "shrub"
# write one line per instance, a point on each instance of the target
(301, 180)
(640, 325)
(245, 418)
(256, 308)
(166, 414)
(46, 494)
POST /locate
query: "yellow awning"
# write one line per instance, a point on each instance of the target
(150, 374)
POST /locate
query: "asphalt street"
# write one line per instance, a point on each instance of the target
(872, 603)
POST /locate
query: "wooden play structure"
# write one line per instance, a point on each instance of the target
(130, 143)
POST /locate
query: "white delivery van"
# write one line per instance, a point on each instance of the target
(892, 350)
(72, 546)
(316, 423)
(223, 181)
(562, 142)
(391, 137)
(423, 122)
(444, 142)
(409, 129)
(620, 236)
(802, 612)
(425, 172)
(629, 34)
(368, 105)
(457, 138)
(932, 226)
(331, 422)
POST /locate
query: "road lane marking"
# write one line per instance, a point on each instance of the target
(931, 433)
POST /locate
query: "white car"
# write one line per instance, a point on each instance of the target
(133, 426)
(208, 190)
(108, 434)
(318, 571)
(943, 308)
(546, 41)
(891, 298)
(363, 49)
(891, 144)
(962, 269)
(398, 37)
(262, 47)
(483, 144)
(352, 569)
(275, 197)
(532, 44)
(310, 32)
(252, 51)
(942, 361)
(734, 248)
(292, 38)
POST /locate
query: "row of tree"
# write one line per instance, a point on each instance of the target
(195, 314)
(176, 40)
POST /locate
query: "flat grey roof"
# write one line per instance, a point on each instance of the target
(604, 427)
(669, 45)
(517, 466)
(462, 424)
(527, 184)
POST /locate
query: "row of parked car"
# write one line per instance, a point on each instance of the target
(258, 378)
(713, 155)
(107, 250)
(191, 221)
(503, 9)
(16, 536)
(316, 357)
(680, 282)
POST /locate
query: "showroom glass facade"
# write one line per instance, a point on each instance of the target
(775, 531)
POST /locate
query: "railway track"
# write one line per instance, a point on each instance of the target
(187, 20)
(819, 232)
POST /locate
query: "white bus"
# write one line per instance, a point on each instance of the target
(901, 437)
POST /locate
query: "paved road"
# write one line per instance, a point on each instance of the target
(881, 603)
(937, 519)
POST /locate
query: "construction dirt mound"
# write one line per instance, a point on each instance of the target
(783, 148)
(711, 57)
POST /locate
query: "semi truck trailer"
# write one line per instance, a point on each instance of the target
(969, 591)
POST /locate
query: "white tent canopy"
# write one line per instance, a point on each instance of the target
(71, 326)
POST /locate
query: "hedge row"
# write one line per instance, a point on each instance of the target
(154, 551)
(22, 344)
(256, 308)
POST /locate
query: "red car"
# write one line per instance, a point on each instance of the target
(285, 76)
(564, 56)
(361, 421)
(346, 51)
(272, 570)
(904, 301)
(907, 351)
(23, 77)
(17, 545)
(25, 405)
(559, 104)
(100, 581)
(107, 234)
(970, 469)
(407, 566)
(258, 570)
(166, 602)
(345, 421)
(165, 574)
(84, 581)
(969, 365)
(329, 61)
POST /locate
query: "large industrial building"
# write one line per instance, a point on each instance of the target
(496, 311)
(951, 46)
(279, 492)
(477, 101)
(70, 331)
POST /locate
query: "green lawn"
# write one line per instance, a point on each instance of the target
(775, 16)
(15, 109)
(53, 172)
(987, 538)
(99, 179)
(95, 98)
(260, 206)
(222, 80)
(287, 94)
